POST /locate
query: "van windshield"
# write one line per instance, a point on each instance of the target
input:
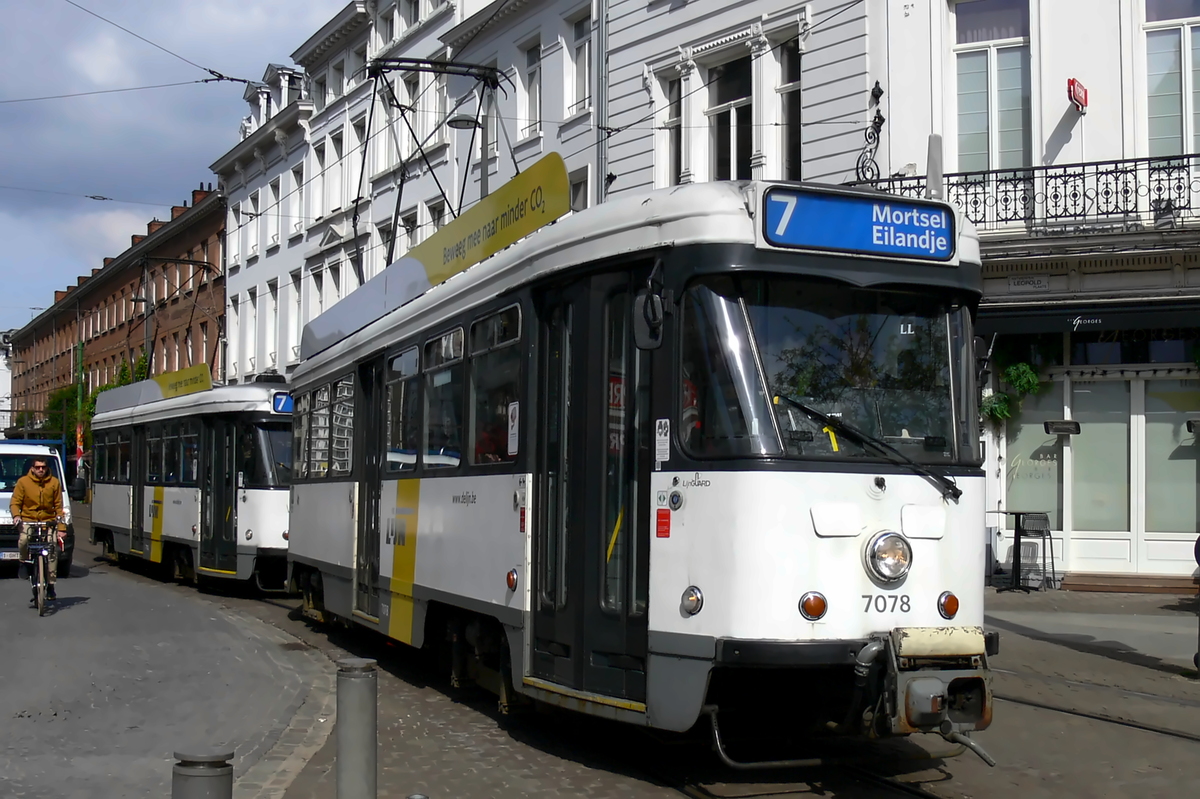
(14, 467)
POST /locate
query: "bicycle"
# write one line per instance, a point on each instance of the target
(43, 536)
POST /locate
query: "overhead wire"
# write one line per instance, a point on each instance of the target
(110, 91)
(85, 196)
(212, 72)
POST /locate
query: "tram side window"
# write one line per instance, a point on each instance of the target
(342, 428)
(300, 436)
(123, 453)
(99, 457)
(444, 400)
(171, 444)
(190, 446)
(154, 455)
(404, 412)
(495, 386)
(318, 435)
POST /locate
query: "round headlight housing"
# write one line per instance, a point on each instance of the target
(888, 557)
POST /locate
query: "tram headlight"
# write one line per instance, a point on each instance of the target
(692, 600)
(249, 534)
(889, 557)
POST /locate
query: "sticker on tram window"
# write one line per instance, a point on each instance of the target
(886, 603)
(662, 440)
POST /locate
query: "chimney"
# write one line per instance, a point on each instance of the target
(153, 225)
(108, 261)
(199, 194)
(135, 240)
(177, 211)
(95, 271)
(58, 296)
(82, 279)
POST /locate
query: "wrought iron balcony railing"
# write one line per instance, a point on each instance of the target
(1101, 196)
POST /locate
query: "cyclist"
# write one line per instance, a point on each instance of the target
(37, 497)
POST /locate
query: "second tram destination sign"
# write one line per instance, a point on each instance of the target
(886, 226)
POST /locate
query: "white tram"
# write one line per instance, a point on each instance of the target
(198, 482)
(709, 451)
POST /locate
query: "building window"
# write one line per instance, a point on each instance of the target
(387, 26)
(273, 213)
(441, 111)
(581, 62)
(337, 79)
(579, 190)
(533, 90)
(674, 126)
(994, 102)
(789, 98)
(250, 330)
(319, 93)
(318, 182)
(411, 236)
(296, 216)
(235, 232)
(412, 99)
(731, 119)
(252, 225)
(437, 217)
(272, 326)
(1173, 77)
(297, 315)
(412, 12)
(334, 178)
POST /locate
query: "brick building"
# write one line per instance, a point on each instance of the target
(165, 295)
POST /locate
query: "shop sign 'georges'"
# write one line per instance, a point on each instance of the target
(815, 220)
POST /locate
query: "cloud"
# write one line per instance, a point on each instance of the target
(104, 62)
(150, 146)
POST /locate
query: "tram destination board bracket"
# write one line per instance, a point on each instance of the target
(880, 225)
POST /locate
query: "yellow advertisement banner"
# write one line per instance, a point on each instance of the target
(185, 381)
(536, 197)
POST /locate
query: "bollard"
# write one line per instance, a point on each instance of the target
(357, 729)
(202, 776)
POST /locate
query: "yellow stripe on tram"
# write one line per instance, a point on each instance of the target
(404, 560)
(156, 525)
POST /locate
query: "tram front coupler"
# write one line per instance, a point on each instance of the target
(936, 681)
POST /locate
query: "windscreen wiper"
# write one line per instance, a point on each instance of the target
(948, 487)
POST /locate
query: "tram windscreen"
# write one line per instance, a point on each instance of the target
(893, 364)
(266, 450)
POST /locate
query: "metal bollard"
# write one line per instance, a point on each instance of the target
(357, 728)
(205, 775)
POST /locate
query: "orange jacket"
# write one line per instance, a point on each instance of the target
(37, 499)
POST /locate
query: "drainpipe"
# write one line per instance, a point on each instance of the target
(601, 51)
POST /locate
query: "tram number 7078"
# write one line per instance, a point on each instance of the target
(883, 603)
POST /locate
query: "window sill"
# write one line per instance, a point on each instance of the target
(299, 234)
(529, 141)
(572, 119)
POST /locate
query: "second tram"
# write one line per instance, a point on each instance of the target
(707, 453)
(196, 482)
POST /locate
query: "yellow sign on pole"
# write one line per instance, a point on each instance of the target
(185, 381)
(536, 197)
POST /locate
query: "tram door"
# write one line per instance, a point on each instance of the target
(370, 405)
(592, 538)
(218, 491)
(137, 480)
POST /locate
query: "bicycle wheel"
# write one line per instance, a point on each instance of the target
(41, 585)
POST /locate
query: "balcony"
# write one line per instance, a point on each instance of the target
(1128, 196)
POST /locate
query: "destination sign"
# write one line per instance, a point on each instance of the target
(884, 226)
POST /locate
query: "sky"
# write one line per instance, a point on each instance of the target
(146, 150)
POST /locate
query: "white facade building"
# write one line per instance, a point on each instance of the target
(263, 180)
(1090, 240)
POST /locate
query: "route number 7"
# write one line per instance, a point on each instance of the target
(790, 206)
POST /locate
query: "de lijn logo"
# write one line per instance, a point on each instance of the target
(857, 224)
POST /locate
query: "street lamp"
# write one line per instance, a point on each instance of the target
(465, 122)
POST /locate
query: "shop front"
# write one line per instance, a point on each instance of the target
(1122, 493)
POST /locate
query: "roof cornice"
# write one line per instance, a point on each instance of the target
(486, 17)
(291, 116)
(210, 204)
(344, 24)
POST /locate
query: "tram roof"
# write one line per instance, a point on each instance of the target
(138, 403)
(719, 212)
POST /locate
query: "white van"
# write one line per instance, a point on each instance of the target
(15, 460)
